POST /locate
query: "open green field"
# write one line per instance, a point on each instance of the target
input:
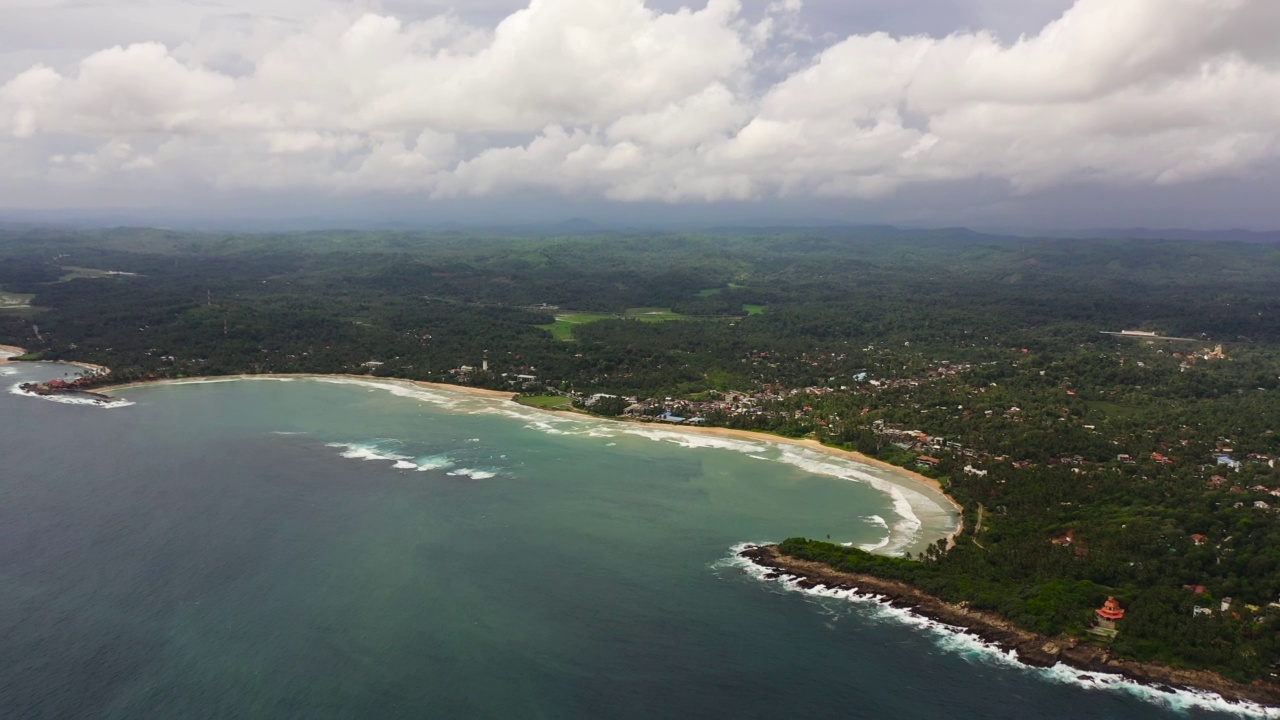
(562, 328)
(1114, 410)
(546, 402)
(753, 309)
(653, 314)
(76, 273)
(15, 301)
(712, 292)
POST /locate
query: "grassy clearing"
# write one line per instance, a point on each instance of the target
(77, 273)
(753, 309)
(712, 292)
(653, 314)
(562, 328)
(546, 402)
(15, 301)
(1113, 410)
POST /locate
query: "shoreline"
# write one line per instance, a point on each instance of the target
(1029, 648)
(8, 352)
(903, 474)
(908, 476)
(461, 389)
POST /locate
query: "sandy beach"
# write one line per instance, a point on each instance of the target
(757, 436)
(460, 389)
(730, 433)
(12, 351)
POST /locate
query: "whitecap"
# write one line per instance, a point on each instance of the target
(368, 451)
(434, 462)
(473, 473)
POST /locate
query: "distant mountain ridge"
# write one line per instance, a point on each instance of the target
(1233, 235)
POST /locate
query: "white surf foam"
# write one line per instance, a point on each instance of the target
(902, 534)
(73, 399)
(435, 462)
(960, 641)
(473, 473)
(401, 389)
(369, 451)
(7, 370)
(691, 440)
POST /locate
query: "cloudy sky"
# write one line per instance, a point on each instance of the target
(1051, 113)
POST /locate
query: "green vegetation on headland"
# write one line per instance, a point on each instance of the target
(1040, 590)
(1088, 464)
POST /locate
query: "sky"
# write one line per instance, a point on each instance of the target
(986, 113)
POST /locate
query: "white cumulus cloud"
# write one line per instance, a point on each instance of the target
(618, 100)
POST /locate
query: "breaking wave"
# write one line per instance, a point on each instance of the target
(376, 450)
(400, 389)
(73, 399)
(962, 642)
(433, 462)
(901, 534)
(690, 440)
(473, 473)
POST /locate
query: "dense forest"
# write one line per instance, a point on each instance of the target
(1098, 464)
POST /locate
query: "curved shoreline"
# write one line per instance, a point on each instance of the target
(910, 477)
(903, 474)
(1031, 649)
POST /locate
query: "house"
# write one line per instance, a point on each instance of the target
(971, 470)
(1227, 461)
(1198, 611)
(1198, 539)
(926, 461)
(1196, 589)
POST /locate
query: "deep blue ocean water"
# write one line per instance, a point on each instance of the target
(313, 549)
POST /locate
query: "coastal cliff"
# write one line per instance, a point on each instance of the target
(1031, 648)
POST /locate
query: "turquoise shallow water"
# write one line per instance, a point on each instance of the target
(312, 549)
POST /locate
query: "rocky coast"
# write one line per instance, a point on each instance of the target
(1030, 648)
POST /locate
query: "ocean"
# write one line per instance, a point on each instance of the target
(325, 548)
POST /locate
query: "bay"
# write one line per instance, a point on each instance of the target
(313, 548)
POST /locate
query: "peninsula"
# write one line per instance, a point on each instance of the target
(786, 561)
